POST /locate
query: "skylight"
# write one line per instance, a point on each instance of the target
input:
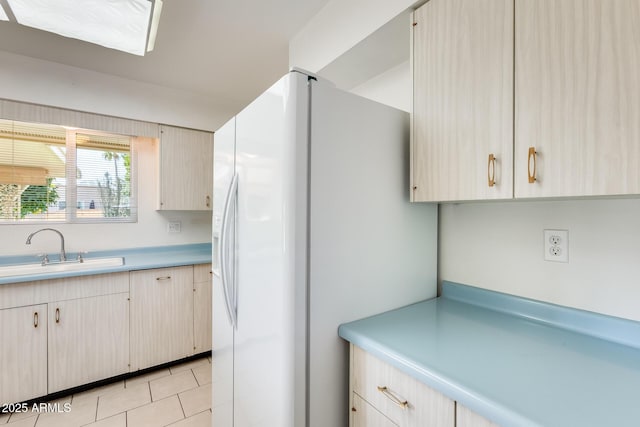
(3, 14)
(117, 24)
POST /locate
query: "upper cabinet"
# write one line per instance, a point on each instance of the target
(462, 132)
(525, 98)
(577, 120)
(185, 169)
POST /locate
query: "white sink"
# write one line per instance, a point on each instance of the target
(38, 268)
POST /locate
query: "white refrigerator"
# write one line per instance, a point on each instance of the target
(312, 228)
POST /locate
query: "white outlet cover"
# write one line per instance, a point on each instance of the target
(556, 245)
(174, 226)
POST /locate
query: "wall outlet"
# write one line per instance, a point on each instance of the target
(556, 245)
(173, 226)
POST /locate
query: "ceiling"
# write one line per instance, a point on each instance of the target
(230, 50)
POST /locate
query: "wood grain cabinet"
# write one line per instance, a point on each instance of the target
(23, 353)
(525, 99)
(462, 127)
(161, 316)
(185, 167)
(88, 340)
(401, 399)
(576, 98)
(202, 303)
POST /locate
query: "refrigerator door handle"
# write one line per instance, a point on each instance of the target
(232, 286)
(223, 250)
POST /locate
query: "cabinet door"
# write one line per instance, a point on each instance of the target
(576, 100)
(467, 418)
(23, 353)
(88, 340)
(365, 415)
(161, 316)
(186, 169)
(462, 100)
(202, 304)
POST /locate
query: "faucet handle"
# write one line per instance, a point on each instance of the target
(44, 258)
(80, 258)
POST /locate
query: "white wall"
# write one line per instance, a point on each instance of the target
(338, 27)
(48, 83)
(150, 230)
(393, 87)
(498, 246)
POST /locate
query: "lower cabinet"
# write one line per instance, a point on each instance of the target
(161, 316)
(88, 340)
(63, 333)
(202, 303)
(23, 353)
(381, 395)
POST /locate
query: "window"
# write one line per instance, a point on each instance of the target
(50, 173)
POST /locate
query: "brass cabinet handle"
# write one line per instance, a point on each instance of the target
(392, 397)
(35, 319)
(532, 155)
(57, 315)
(163, 278)
(208, 201)
(491, 170)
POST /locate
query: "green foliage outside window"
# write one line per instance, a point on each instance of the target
(36, 199)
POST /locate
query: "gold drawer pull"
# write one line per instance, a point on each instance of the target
(392, 397)
(532, 155)
(57, 315)
(491, 170)
(35, 319)
(163, 278)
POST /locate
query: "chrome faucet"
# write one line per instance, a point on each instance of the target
(63, 254)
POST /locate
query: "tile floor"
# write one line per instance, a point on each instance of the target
(179, 396)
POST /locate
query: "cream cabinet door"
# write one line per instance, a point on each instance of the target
(467, 418)
(365, 415)
(88, 340)
(462, 127)
(185, 169)
(23, 353)
(161, 316)
(577, 99)
(202, 303)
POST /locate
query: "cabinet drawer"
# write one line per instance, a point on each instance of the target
(403, 399)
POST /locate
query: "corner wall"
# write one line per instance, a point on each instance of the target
(338, 27)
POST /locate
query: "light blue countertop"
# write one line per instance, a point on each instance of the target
(515, 361)
(134, 259)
